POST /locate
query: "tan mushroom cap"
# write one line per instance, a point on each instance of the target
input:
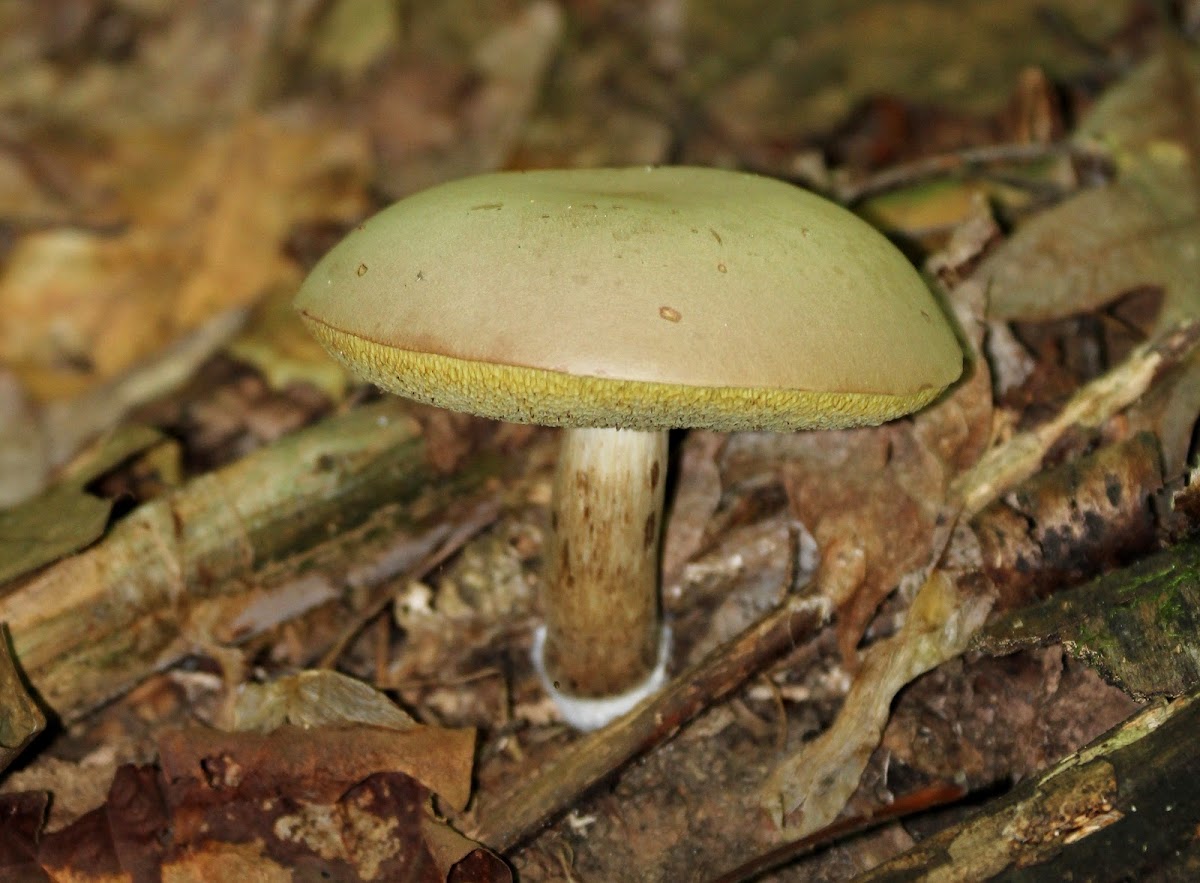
(644, 298)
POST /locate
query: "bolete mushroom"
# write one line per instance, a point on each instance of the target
(618, 304)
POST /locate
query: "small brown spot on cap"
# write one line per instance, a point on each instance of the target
(487, 205)
(670, 314)
(721, 268)
(716, 236)
(362, 270)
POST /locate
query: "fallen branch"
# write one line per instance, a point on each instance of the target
(1010, 463)
(229, 555)
(1123, 808)
(919, 801)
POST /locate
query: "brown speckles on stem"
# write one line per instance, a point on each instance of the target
(601, 589)
(670, 314)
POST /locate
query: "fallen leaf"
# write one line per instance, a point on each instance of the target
(204, 215)
(1137, 231)
(234, 819)
(22, 816)
(276, 343)
(324, 762)
(1099, 244)
(816, 782)
(803, 67)
(315, 699)
(67, 517)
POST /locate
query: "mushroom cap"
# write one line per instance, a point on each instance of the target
(642, 298)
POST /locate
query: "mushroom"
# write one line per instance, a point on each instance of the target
(618, 304)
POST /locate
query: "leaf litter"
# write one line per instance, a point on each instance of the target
(137, 215)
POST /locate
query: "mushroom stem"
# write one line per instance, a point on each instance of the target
(603, 630)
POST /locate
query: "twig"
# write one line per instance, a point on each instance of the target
(919, 801)
(1010, 463)
(942, 164)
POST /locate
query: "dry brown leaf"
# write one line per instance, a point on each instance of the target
(1138, 231)
(21, 819)
(818, 780)
(1134, 232)
(324, 762)
(264, 808)
(861, 501)
(276, 343)
(315, 699)
(204, 213)
(432, 120)
(1083, 254)
(803, 67)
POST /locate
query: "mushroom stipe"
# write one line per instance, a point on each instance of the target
(618, 304)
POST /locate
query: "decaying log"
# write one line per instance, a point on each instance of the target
(226, 556)
(1124, 808)
(1066, 524)
(1138, 626)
